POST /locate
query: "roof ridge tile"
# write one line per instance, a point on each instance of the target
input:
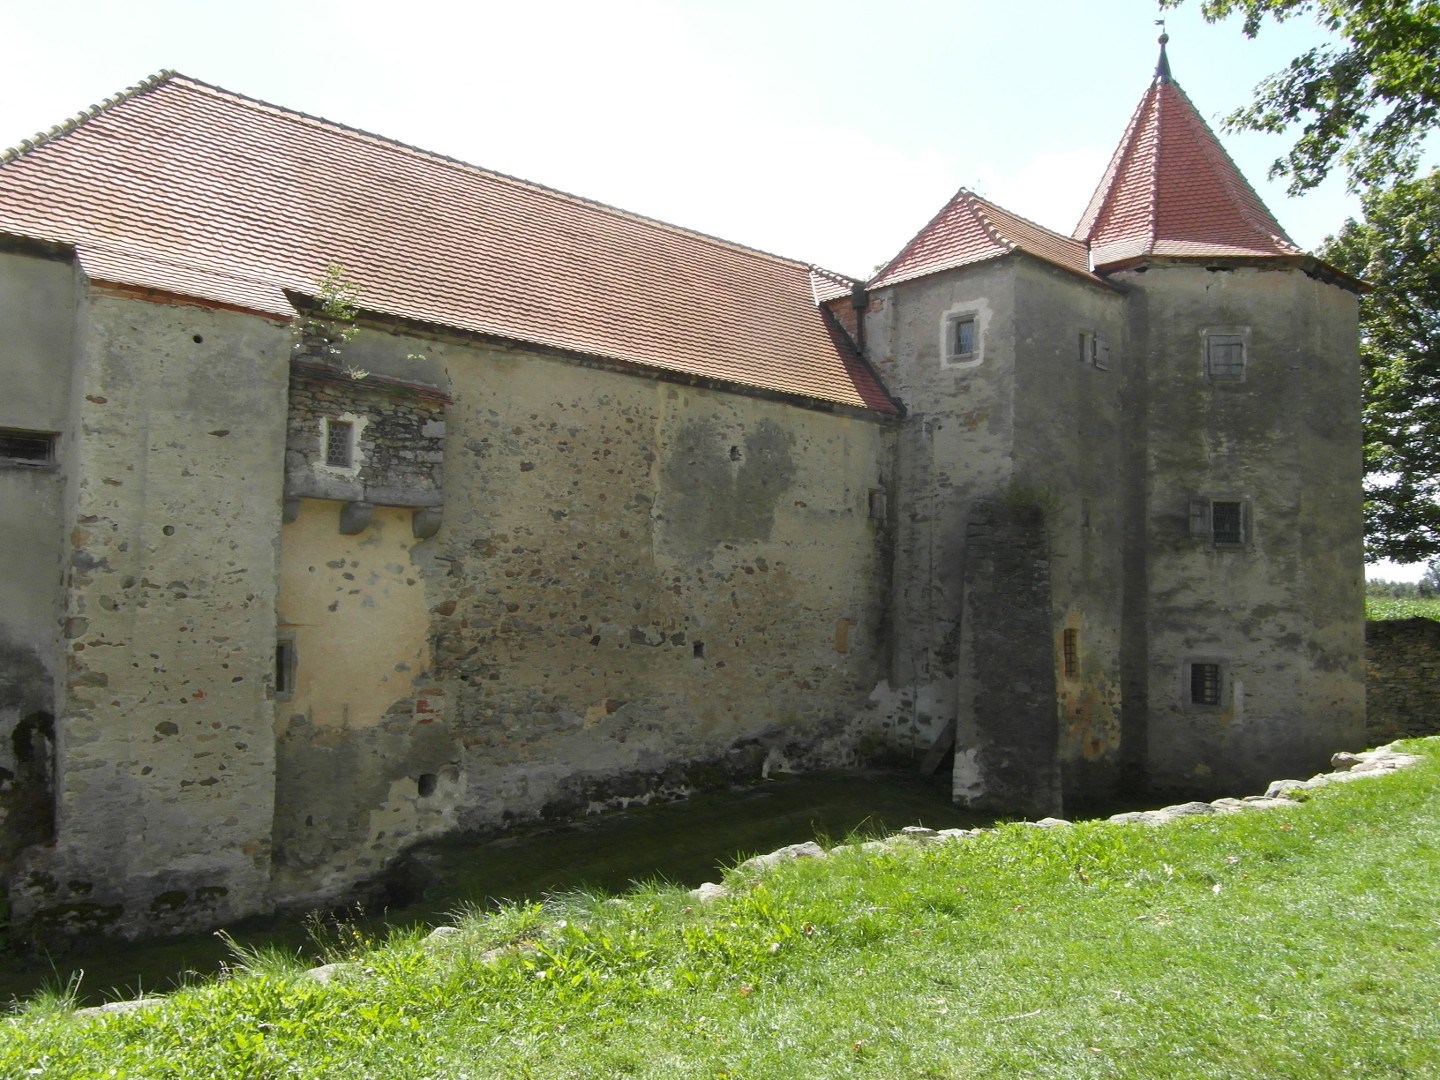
(470, 166)
(973, 203)
(40, 138)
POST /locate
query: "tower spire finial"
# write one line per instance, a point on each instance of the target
(1162, 66)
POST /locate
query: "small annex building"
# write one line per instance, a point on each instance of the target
(620, 510)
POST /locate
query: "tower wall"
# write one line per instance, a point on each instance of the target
(1268, 626)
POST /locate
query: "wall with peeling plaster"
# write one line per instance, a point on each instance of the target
(1110, 448)
(37, 311)
(638, 588)
(1072, 429)
(957, 445)
(1283, 612)
(165, 729)
(546, 587)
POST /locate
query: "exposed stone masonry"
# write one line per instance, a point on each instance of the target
(399, 445)
(1402, 678)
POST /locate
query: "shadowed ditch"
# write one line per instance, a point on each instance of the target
(682, 842)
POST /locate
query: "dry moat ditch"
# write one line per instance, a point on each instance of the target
(681, 842)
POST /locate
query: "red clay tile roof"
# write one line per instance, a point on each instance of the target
(188, 188)
(1171, 190)
(828, 285)
(970, 230)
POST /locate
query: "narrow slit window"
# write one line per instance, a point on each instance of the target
(1205, 684)
(877, 504)
(339, 444)
(284, 666)
(1070, 652)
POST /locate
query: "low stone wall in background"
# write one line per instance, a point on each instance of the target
(1402, 678)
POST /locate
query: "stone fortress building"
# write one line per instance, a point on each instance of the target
(621, 509)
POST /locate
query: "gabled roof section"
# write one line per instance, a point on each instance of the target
(183, 187)
(828, 285)
(1172, 190)
(971, 230)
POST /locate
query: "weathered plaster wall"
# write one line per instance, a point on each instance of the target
(955, 445)
(637, 587)
(37, 305)
(1007, 739)
(648, 574)
(1071, 430)
(166, 768)
(1282, 613)
(355, 735)
(1028, 426)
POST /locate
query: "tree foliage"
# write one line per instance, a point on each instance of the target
(1365, 102)
(1397, 248)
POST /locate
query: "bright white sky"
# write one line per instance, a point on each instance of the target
(824, 130)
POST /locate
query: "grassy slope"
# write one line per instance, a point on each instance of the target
(1296, 942)
(1391, 607)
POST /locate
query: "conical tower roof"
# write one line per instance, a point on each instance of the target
(1171, 190)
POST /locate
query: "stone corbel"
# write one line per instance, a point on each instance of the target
(355, 517)
(426, 521)
(290, 510)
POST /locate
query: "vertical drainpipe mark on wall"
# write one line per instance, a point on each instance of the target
(1237, 702)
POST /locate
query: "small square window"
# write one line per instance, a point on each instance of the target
(1205, 684)
(339, 444)
(1223, 522)
(1227, 523)
(962, 339)
(1225, 356)
(26, 447)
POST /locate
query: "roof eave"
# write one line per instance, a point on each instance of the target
(1308, 264)
(1083, 275)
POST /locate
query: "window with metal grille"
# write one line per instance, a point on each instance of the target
(1227, 523)
(1205, 684)
(26, 447)
(339, 443)
(1070, 652)
(1225, 356)
(962, 339)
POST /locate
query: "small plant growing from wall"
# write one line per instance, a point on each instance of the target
(326, 331)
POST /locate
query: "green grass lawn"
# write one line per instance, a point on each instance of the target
(1391, 607)
(1291, 942)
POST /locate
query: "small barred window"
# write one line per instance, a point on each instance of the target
(26, 447)
(339, 444)
(1205, 684)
